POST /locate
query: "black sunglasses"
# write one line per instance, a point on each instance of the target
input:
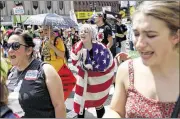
(14, 45)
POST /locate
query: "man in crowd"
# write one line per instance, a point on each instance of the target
(104, 31)
(121, 31)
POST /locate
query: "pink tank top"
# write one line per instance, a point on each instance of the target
(138, 106)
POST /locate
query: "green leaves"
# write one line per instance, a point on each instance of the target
(133, 54)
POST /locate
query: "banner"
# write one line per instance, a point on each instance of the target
(73, 16)
(18, 10)
(108, 8)
(83, 15)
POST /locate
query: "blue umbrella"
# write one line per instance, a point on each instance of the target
(50, 19)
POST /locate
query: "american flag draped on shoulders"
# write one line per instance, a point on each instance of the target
(95, 75)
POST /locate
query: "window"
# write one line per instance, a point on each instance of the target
(75, 6)
(49, 5)
(2, 4)
(18, 3)
(35, 4)
(61, 5)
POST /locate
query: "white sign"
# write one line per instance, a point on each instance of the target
(18, 10)
(107, 8)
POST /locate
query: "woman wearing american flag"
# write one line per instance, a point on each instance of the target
(95, 72)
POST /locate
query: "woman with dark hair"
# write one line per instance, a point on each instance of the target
(31, 83)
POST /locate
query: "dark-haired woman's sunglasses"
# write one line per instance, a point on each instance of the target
(14, 45)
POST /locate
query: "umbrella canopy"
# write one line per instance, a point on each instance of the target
(50, 19)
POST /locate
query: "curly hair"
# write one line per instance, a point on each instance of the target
(91, 29)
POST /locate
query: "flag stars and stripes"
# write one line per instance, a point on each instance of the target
(97, 66)
(97, 51)
(76, 46)
(104, 61)
(102, 52)
(93, 62)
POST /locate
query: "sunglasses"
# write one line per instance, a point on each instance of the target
(14, 45)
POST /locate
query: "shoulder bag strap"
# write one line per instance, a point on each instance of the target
(176, 110)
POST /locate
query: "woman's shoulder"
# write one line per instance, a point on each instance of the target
(127, 66)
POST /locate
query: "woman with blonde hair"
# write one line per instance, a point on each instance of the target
(5, 111)
(148, 86)
(95, 72)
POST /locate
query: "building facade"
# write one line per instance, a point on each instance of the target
(83, 9)
(37, 7)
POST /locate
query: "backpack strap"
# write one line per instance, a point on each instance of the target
(176, 110)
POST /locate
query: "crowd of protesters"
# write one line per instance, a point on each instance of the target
(147, 86)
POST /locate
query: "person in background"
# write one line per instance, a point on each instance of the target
(38, 44)
(104, 30)
(41, 36)
(121, 31)
(35, 88)
(148, 86)
(56, 32)
(30, 31)
(53, 49)
(1, 42)
(130, 34)
(74, 36)
(95, 72)
(5, 112)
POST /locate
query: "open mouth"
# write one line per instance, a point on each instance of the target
(83, 37)
(146, 55)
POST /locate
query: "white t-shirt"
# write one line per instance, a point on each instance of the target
(37, 43)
